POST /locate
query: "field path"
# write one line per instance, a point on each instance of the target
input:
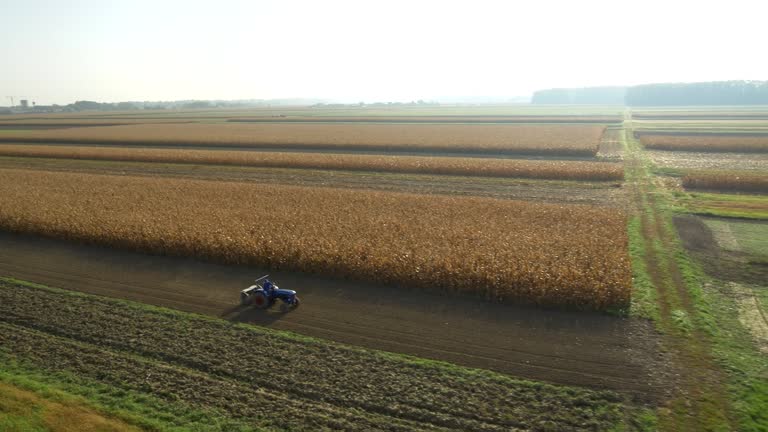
(591, 350)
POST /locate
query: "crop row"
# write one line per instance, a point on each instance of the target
(726, 181)
(502, 250)
(288, 381)
(569, 140)
(750, 144)
(462, 166)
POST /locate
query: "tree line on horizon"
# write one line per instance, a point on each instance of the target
(702, 93)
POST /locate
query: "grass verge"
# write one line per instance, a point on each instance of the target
(65, 396)
(725, 205)
(704, 318)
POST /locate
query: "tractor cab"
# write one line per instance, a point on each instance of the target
(265, 295)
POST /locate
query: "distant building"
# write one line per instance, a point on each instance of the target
(24, 103)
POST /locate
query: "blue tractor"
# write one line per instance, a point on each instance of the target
(264, 295)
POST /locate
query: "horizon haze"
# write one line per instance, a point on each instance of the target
(111, 51)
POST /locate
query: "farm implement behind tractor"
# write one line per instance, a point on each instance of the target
(263, 296)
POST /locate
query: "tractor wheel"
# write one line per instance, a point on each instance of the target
(296, 302)
(260, 300)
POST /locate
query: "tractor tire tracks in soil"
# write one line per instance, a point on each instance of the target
(572, 348)
(700, 401)
(293, 382)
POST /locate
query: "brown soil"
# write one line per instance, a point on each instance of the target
(719, 263)
(269, 379)
(592, 350)
(611, 147)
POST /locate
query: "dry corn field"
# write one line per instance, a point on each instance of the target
(727, 181)
(480, 167)
(508, 251)
(567, 140)
(751, 144)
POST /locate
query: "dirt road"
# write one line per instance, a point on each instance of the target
(562, 347)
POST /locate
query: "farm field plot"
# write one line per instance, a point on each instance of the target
(736, 205)
(354, 111)
(552, 140)
(551, 191)
(719, 128)
(735, 254)
(480, 167)
(34, 123)
(716, 114)
(728, 181)
(281, 380)
(565, 347)
(687, 160)
(432, 119)
(529, 251)
(702, 143)
(611, 147)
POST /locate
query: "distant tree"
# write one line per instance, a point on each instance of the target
(580, 96)
(125, 106)
(196, 104)
(703, 93)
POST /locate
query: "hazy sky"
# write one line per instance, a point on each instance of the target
(59, 51)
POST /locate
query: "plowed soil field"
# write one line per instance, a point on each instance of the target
(578, 348)
(276, 380)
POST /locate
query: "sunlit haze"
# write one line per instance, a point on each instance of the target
(349, 51)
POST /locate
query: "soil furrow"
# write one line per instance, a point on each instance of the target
(326, 373)
(554, 346)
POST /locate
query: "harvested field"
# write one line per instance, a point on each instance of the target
(709, 160)
(81, 122)
(280, 381)
(722, 115)
(480, 167)
(565, 140)
(45, 126)
(750, 144)
(727, 181)
(573, 256)
(611, 145)
(719, 129)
